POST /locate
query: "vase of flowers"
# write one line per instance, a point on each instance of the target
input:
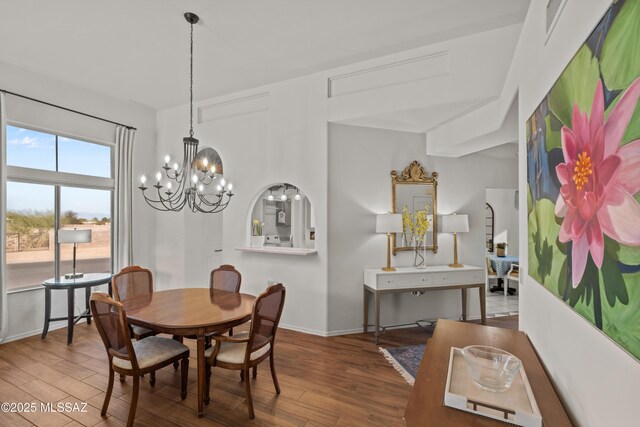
(257, 238)
(501, 249)
(414, 231)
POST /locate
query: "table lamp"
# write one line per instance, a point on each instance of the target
(388, 223)
(455, 224)
(74, 236)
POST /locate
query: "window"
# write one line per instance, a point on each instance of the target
(55, 182)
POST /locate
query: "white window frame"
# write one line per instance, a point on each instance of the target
(58, 180)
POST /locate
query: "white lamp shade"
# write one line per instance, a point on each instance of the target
(74, 236)
(455, 223)
(389, 223)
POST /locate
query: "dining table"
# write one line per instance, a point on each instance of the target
(190, 312)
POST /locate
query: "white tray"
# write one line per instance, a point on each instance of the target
(514, 406)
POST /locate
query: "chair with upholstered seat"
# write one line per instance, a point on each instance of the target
(246, 350)
(129, 357)
(512, 275)
(490, 274)
(130, 282)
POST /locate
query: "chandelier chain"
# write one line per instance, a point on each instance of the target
(191, 86)
(192, 185)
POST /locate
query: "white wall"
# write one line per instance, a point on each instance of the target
(267, 135)
(26, 309)
(360, 163)
(505, 227)
(598, 381)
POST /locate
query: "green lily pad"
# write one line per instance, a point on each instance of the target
(577, 84)
(629, 255)
(553, 125)
(620, 59)
(633, 129)
(622, 321)
(545, 257)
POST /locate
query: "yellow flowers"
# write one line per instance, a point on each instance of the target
(415, 225)
(256, 228)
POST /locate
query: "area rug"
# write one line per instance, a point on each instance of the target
(406, 360)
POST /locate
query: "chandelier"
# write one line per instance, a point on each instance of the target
(199, 182)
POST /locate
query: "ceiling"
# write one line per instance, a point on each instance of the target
(138, 50)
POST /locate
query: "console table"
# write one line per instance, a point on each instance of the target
(432, 278)
(87, 281)
(426, 402)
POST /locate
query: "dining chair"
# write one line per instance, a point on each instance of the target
(247, 350)
(490, 274)
(135, 358)
(131, 282)
(512, 275)
(225, 278)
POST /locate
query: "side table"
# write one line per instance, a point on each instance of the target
(88, 281)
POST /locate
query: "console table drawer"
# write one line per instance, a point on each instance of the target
(458, 277)
(405, 281)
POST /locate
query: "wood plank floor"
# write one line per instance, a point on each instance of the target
(335, 381)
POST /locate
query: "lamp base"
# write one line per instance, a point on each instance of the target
(73, 275)
(456, 265)
(388, 269)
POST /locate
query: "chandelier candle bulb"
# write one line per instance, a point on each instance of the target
(230, 186)
(222, 182)
(143, 179)
(175, 167)
(166, 159)
(158, 177)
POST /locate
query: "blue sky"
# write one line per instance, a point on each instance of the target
(28, 148)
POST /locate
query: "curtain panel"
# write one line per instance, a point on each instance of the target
(4, 315)
(123, 199)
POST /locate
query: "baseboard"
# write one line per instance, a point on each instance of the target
(38, 332)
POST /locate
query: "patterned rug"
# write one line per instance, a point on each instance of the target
(406, 360)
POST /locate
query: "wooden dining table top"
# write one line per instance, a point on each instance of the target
(189, 310)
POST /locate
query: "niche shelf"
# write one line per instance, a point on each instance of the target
(278, 250)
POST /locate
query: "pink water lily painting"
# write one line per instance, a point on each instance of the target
(583, 158)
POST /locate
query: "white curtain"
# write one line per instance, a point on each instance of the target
(123, 199)
(4, 315)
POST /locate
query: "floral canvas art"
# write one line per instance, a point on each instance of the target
(583, 171)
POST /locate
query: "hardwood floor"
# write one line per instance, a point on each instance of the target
(333, 381)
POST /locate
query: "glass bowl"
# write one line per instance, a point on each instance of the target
(491, 368)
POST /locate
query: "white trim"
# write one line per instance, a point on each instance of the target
(39, 176)
(556, 18)
(55, 132)
(58, 325)
(28, 288)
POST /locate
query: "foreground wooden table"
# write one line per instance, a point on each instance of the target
(426, 402)
(191, 312)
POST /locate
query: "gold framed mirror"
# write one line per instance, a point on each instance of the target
(414, 194)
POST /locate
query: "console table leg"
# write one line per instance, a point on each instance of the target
(365, 325)
(464, 303)
(47, 312)
(483, 304)
(377, 297)
(70, 309)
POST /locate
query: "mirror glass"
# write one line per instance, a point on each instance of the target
(489, 215)
(414, 195)
(285, 217)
